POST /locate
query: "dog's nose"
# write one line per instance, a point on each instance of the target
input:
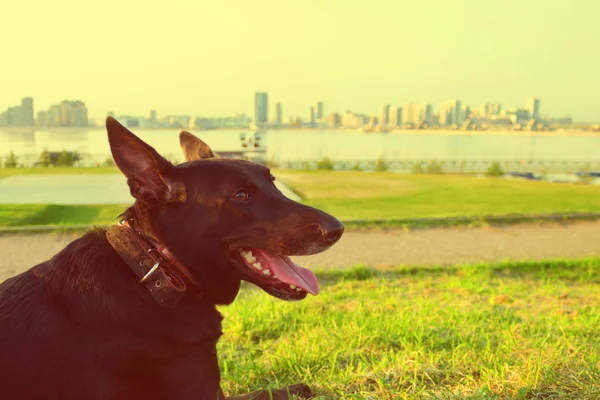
(331, 230)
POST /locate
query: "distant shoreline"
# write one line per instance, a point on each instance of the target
(448, 132)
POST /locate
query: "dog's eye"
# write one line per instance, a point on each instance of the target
(272, 178)
(241, 195)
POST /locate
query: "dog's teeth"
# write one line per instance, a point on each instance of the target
(267, 272)
(292, 287)
(298, 289)
(248, 256)
(257, 265)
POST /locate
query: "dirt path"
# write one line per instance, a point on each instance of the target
(419, 247)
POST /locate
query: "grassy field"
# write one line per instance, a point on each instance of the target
(358, 195)
(361, 195)
(4, 172)
(506, 331)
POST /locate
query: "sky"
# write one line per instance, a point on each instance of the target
(207, 58)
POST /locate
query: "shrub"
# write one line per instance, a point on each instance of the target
(45, 160)
(495, 169)
(66, 159)
(417, 168)
(11, 160)
(356, 167)
(325, 163)
(110, 162)
(381, 165)
(434, 167)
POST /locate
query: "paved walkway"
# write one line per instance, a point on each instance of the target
(419, 247)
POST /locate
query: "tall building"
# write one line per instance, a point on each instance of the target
(78, 115)
(320, 110)
(278, 114)
(27, 112)
(533, 106)
(384, 115)
(261, 108)
(153, 115)
(54, 115)
(416, 114)
(395, 116)
(65, 113)
(312, 116)
(451, 113)
(408, 114)
(333, 120)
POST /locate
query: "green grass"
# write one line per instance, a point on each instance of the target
(4, 172)
(362, 195)
(51, 214)
(505, 331)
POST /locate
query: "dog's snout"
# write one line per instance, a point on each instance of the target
(331, 230)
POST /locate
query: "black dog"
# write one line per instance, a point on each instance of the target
(129, 313)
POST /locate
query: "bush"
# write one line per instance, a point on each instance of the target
(381, 165)
(45, 160)
(110, 162)
(325, 163)
(356, 167)
(11, 160)
(495, 169)
(417, 168)
(66, 159)
(434, 167)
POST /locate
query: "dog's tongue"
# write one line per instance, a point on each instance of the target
(290, 273)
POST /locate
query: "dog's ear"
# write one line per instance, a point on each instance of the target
(151, 178)
(194, 148)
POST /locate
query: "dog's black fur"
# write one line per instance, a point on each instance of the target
(80, 326)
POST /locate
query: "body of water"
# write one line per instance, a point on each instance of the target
(465, 150)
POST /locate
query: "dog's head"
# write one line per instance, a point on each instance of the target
(223, 219)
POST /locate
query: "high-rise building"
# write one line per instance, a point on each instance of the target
(451, 113)
(261, 108)
(278, 114)
(416, 114)
(153, 115)
(54, 115)
(320, 110)
(65, 113)
(533, 106)
(408, 114)
(395, 116)
(312, 116)
(333, 120)
(78, 115)
(42, 118)
(384, 115)
(27, 112)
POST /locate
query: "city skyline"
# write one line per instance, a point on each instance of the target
(454, 114)
(265, 112)
(348, 56)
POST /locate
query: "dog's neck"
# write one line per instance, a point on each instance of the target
(156, 267)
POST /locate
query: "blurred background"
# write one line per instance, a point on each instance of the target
(442, 134)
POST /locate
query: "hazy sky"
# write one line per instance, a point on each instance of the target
(204, 57)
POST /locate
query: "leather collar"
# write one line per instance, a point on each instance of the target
(158, 270)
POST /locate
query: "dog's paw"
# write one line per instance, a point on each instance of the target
(300, 390)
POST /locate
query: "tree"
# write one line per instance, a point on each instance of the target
(65, 159)
(11, 160)
(45, 160)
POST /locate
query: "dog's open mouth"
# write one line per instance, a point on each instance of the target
(279, 271)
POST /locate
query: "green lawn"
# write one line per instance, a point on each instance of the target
(4, 172)
(52, 214)
(358, 195)
(506, 331)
